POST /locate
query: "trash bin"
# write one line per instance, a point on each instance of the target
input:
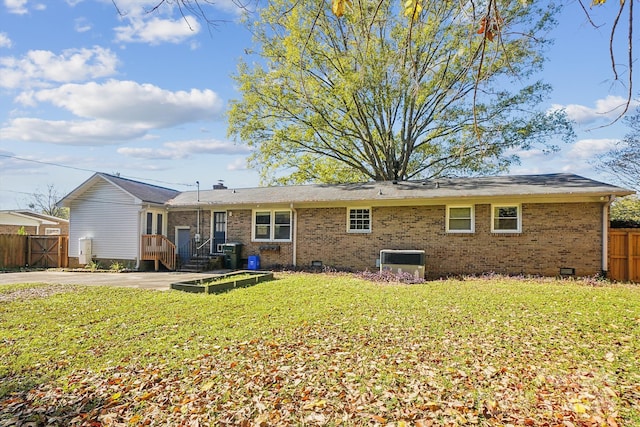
(254, 262)
(232, 252)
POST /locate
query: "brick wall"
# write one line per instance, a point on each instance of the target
(553, 236)
(190, 219)
(272, 254)
(13, 229)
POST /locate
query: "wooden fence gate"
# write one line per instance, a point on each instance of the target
(48, 251)
(624, 254)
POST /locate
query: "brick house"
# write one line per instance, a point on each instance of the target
(33, 223)
(534, 225)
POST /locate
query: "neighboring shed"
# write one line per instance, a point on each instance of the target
(113, 214)
(12, 221)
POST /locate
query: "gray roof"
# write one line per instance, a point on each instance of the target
(147, 193)
(405, 191)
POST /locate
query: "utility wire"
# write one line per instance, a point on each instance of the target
(91, 170)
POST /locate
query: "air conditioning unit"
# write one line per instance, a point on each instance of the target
(403, 261)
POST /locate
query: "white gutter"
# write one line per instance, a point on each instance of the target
(605, 233)
(139, 248)
(294, 250)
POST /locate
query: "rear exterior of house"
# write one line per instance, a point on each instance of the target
(532, 225)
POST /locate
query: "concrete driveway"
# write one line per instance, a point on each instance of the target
(142, 280)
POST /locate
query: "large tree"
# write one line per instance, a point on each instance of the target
(623, 162)
(376, 94)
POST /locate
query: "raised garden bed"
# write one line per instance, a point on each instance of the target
(223, 283)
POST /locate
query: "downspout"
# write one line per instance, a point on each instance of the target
(139, 249)
(605, 234)
(294, 250)
(198, 212)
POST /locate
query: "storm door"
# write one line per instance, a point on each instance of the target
(219, 231)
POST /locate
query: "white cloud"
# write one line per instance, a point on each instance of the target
(18, 7)
(90, 132)
(185, 149)
(114, 112)
(155, 30)
(42, 67)
(589, 148)
(238, 164)
(208, 146)
(132, 102)
(5, 41)
(528, 154)
(81, 25)
(141, 8)
(608, 108)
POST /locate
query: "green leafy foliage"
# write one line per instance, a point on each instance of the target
(324, 350)
(625, 212)
(367, 96)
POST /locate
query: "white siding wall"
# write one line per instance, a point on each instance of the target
(110, 217)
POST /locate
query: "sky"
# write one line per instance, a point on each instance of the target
(87, 87)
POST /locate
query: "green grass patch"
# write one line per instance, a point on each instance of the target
(326, 349)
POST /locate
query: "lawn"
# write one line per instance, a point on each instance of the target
(316, 349)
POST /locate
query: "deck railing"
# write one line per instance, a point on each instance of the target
(158, 248)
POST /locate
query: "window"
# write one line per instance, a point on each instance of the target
(282, 225)
(159, 224)
(272, 225)
(460, 219)
(359, 220)
(149, 223)
(51, 231)
(505, 219)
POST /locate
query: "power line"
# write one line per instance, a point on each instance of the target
(93, 171)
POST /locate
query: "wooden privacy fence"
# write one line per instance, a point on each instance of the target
(624, 254)
(13, 250)
(33, 251)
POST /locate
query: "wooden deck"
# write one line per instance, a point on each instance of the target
(159, 249)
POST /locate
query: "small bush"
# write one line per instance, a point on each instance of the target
(93, 266)
(117, 266)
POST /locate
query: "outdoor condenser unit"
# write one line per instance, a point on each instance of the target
(403, 261)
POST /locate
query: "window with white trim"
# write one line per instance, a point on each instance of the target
(51, 231)
(506, 219)
(460, 219)
(359, 220)
(272, 225)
